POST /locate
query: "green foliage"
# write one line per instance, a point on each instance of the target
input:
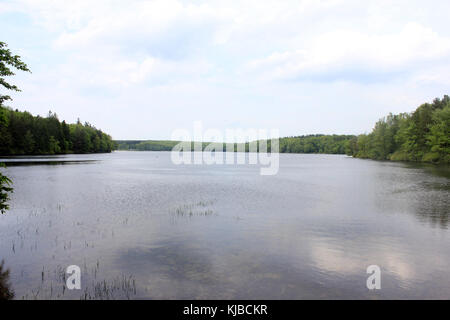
(5, 288)
(23, 133)
(333, 144)
(438, 139)
(5, 189)
(148, 145)
(423, 135)
(8, 59)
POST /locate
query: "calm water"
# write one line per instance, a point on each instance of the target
(141, 227)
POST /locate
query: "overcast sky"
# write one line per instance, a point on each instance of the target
(141, 69)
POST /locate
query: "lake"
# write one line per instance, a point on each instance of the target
(140, 227)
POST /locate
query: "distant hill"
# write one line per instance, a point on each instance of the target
(331, 144)
(145, 145)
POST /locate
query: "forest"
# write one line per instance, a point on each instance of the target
(420, 136)
(146, 145)
(332, 144)
(21, 133)
(319, 143)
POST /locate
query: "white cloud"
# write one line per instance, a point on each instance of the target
(280, 40)
(114, 71)
(229, 60)
(151, 21)
(342, 54)
(331, 258)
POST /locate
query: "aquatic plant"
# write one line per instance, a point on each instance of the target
(195, 209)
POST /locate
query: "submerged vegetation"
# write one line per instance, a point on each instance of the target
(420, 136)
(198, 209)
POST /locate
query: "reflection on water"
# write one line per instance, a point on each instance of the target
(422, 190)
(140, 227)
(43, 162)
(433, 206)
(46, 160)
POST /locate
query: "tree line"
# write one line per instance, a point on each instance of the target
(146, 145)
(332, 144)
(22, 133)
(420, 136)
(318, 143)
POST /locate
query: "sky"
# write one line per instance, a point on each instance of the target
(143, 69)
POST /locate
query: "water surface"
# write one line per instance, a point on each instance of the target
(141, 227)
